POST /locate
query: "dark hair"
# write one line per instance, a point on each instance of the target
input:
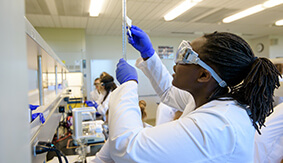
(251, 80)
(103, 74)
(96, 80)
(108, 82)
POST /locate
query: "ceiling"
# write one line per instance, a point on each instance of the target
(148, 14)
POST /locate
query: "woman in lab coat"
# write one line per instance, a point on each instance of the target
(94, 95)
(231, 94)
(107, 86)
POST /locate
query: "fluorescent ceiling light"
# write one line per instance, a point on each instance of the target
(95, 7)
(252, 10)
(183, 7)
(279, 22)
(272, 3)
(244, 13)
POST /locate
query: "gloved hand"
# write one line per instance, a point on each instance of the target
(41, 117)
(33, 107)
(141, 42)
(91, 104)
(125, 72)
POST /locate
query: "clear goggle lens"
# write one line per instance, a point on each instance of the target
(182, 51)
(186, 55)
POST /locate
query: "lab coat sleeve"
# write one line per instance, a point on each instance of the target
(164, 114)
(182, 140)
(103, 156)
(161, 81)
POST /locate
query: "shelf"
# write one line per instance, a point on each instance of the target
(46, 70)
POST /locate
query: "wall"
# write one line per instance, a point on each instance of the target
(68, 44)
(273, 46)
(14, 117)
(276, 47)
(265, 41)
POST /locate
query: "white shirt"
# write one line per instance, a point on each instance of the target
(269, 145)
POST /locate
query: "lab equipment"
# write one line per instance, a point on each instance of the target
(141, 42)
(124, 26)
(125, 72)
(186, 55)
(89, 131)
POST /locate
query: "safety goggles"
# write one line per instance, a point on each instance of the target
(186, 55)
(97, 84)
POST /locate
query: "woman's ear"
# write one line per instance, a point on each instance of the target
(204, 76)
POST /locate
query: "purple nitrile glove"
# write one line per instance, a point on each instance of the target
(125, 72)
(140, 41)
(91, 104)
(33, 107)
(41, 117)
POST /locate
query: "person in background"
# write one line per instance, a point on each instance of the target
(269, 145)
(142, 105)
(231, 88)
(107, 86)
(104, 74)
(94, 95)
(177, 115)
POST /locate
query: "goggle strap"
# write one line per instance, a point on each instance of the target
(221, 82)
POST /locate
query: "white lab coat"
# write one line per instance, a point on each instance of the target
(94, 95)
(269, 145)
(164, 114)
(219, 131)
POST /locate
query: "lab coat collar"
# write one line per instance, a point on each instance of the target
(224, 101)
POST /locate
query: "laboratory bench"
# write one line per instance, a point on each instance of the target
(65, 143)
(68, 148)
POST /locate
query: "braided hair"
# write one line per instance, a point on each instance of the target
(251, 81)
(108, 82)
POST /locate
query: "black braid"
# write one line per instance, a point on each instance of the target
(251, 81)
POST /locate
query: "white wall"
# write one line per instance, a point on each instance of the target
(14, 115)
(270, 50)
(276, 51)
(265, 41)
(68, 44)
